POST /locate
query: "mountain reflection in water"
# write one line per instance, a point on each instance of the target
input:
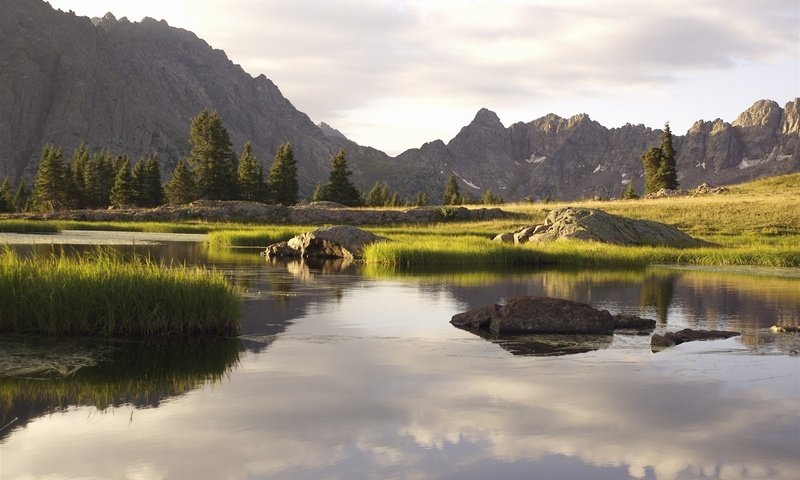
(357, 373)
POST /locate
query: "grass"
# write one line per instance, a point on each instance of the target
(103, 294)
(255, 237)
(27, 226)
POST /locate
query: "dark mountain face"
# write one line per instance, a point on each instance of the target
(134, 87)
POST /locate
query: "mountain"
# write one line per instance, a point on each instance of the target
(135, 86)
(558, 158)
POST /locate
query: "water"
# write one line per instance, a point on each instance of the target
(355, 372)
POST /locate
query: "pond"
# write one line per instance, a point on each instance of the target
(354, 372)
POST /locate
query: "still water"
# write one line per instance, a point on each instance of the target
(351, 372)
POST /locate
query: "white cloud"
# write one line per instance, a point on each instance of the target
(336, 60)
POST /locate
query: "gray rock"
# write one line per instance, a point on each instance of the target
(670, 339)
(599, 226)
(339, 241)
(529, 315)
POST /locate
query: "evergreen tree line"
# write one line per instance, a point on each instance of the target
(659, 165)
(211, 171)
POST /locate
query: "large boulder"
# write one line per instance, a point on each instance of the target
(527, 315)
(599, 226)
(339, 241)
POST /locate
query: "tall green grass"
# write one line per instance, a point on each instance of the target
(255, 237)
(106, 295)
(27, 226)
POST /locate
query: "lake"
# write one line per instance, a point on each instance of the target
(354, 372)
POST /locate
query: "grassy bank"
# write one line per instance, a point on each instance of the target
(255, 237)
(103, 294)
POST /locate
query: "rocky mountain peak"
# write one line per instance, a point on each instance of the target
(487, 117)
(762, 113)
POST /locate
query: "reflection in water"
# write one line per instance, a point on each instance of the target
(39, 376)
(548, 345)
(364, 377)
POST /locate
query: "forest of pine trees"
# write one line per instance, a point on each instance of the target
(211, 171)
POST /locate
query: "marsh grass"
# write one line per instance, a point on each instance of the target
(104, 294)
(27, 226)
(255, 237)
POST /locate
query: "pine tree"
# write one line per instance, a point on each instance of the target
(249, 176)
(651, 160)
(319, 193)
(154, 190)
(123, 192)
(629, 193)
(181, 187)
(212, 157)
(139, 183)
(282, 179)
(422, 199)
(49, 184)
(377, 195)
(393, 200)
(76, 177)
(6, 199)
(22, 197)
(98, 179)
(339, 187)
(452, 195)
(667, 172)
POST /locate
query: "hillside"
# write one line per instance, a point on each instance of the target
(135, 86)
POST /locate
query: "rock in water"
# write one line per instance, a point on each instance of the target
(599, 226)
(671, 339)
(526, 315)
(339, 241)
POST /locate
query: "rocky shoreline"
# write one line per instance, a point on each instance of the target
(254, 212)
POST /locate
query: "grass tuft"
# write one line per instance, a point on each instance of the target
(103, 294)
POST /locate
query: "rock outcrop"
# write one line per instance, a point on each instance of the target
(339, 241)
(599, 226)
(533, 315)
(671, 339)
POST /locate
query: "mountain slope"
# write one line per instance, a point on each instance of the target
(135, 86)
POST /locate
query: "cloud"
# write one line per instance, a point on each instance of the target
(336, 59)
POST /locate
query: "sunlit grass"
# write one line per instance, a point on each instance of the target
(103, 294)
(27, 226)
(256, 237)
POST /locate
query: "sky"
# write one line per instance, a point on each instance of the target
(394, 74)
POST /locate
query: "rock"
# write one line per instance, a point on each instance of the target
(528, 315)
(599, 226)
(706, 189)
(670, 339)
(339, 241)
(632, 322)
(784, 329)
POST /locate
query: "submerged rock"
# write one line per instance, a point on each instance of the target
(599, 226)
(670, 339)
(339, 241)
(527, 315)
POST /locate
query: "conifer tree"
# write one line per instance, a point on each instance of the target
(98, 179)
(22, 197)
(377, 195)
(6, 198)
(422, 199)
(180, 188)
(76, 177)
(629, 193)
(667, 170)
(139, 183)
(452, 195)
(123, 192)
(651, 160)
(339, 187)
(49, 184)
(250, 177)
(154, 190)
(282, 179)
(319, 193)
(212, 157)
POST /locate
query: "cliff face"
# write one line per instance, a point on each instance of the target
(135, 86)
